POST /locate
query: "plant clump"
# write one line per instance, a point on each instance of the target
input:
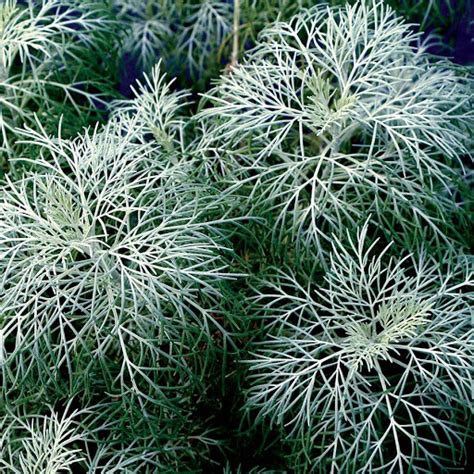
(261, 265)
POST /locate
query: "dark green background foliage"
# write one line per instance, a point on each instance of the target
(235, 236)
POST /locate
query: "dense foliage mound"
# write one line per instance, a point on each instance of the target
(262, 265)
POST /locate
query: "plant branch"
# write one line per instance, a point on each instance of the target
(235, 35)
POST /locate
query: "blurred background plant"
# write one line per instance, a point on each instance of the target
(195, 37)
(57, 59)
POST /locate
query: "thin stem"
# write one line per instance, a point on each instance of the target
(235, 35)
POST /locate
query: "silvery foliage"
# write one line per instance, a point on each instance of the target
(186, 34)
(112, 260)
(40, 443)
(41, 45)
(115, 247)
(85, 440)
(155, 115)
(147, 28)
(205, 31)
(372, 371)
(339, 114)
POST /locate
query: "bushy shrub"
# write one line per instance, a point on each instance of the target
(274, 276)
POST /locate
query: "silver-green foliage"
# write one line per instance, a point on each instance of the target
(43, 65)
(207, 27)
(372, 371)
(109, 437)
(342, 114)
(112, 260)
(40, 443)
(147, 29)
(188, 35)
(116, 246)
(155, 116)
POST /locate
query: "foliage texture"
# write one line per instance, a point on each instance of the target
(262, 265)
